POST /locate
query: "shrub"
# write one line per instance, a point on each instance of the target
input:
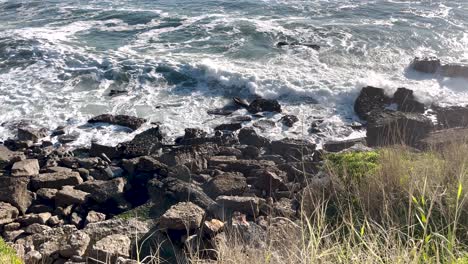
(8, 255)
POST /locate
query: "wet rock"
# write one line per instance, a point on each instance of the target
(264, 125)
(248, 136)
(114, 92)
(388, 128)
(97, 150)
(247, 205)
(14, 190)
(194, 133)
(451, 117)
(33, 134)
(8, 213)
(8, 157)
(56, 180)
(406, 101)
(229, 127)
(182, 216)
(370, 99)
(69, 138)
(145, 143)
(102, 191)
(29, 167)
(240, 102)
(264, 105)
(292, 149)
(426, 65)
(455, 70)
(69, 196)
(289, 120)
(121, 120)
(226, 184)
(229, 151)
(337, 146)
(309, 45)
(110, 248)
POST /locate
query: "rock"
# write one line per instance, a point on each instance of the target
(102, 191)
(451, 117)
(12, 226)
(269, 181)
(264, 125)
(194, 133)
(133, 228)
(387, 128)
(182, 216)
(39, 208)
(251, 152)
(121, 120)
(114, 92)
(56, 180)
(455, 70)
(58, 169)
(14, 190)
(33, 134)
(94, 217)
(36, 228)
(193, 157)
(110, 248)
(292, 149)
(229, 127)
(12, 235)
(29, 167)
(69, 138)
(212, 227)
(370, 99)
(54, 221)
(406, 101)
(241, 119)
(69, 196)
(337, 146)
(30, 219)
(8, 213)
(247, 205)
(309, 45)
(145, 143)
(289, 120)
(226, 184)
(264, 105)
(8, 157)
(438, 140)
(145, 164)
(240, 102)
(76, 219)
(46, 194)
(97, 150)
(181, 172)
(426, 65)
(33, 257)
(248, 136)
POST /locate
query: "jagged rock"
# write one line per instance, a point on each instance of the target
(8, 213)
(337, 146)
(94, 217)
(251, 152)
(102, 191)
(269, 181)
(309, 45)
(264, 105)
(451, 117)
(12, 235)
(110, 248)
(70, 196)
(387, 128)
(57, 169)
(133, 228)
(426, 65)
(292, 149)
(229, 127)
(181, 172)
(370, 99)
(194, 133)
(90, 163)
(29, 167)
(36, 228)
(226, 184)
(121, 120)
(145, 143)
(14, 190)
(47, 194)
(455, 70)
(97, 150)
(56, 180)
(246, 205)
(243, 166)
(182, 216)
(289, 120)
(54, 221)
(193, 157)
(406, 101)
(68, 138)
(8, 157)
(33, 134)
(33, 257)
(12, 226)
(144, 164)
(30, 219)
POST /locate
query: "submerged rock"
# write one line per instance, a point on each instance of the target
(121, 120)
(426, 65)
(455, 70)
(406, 101)
(264, 105)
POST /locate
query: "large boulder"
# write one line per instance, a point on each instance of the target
(247, 205)
(145, 143)
(269, 181)
(426, 65)
(132, 228)
(8, 157)
(292, 149)
(182, 216)
(121, 120)
(8, 213)
(14, 190)
(450, 117)
(111, 247)
(248, 136)
(144, 164)
(56, 180)
(370, 99)
(103, 191)
(289, 120)
(455, 70)
(70, 196)
(226, 184)
(388, 128)
(97, 150)
(406, 101)
(32, 134)
(29, 167)
(264, 105)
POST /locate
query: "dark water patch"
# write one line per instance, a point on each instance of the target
(128, 17)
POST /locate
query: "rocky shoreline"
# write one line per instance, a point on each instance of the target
(101, 204)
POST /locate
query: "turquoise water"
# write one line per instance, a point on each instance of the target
(176, 59)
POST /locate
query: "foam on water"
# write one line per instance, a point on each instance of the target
(177, 64)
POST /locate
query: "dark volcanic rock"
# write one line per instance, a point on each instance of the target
(454, 116)
(426, 65)
(145, 143)
(264, 105)
(248, 136)
(97, 150)
(247, 205)
(337, 146)
(14, 190)
(387, 128)
(370, 99)
(226, 184)
(56, 180)
(292, 149)
(229, 127)
(194, 133)
(289, 120)
(33, 134)
(240, 102)
(8, 157)
(406, 101)
(455, 70)
(309, 45)
(102, 191)
(121, 120)
(269, 181)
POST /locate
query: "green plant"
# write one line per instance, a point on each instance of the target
(7, 254)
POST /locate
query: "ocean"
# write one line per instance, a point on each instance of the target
(177, 59)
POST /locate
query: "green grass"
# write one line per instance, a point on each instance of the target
(353, 166)
(8, 255)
